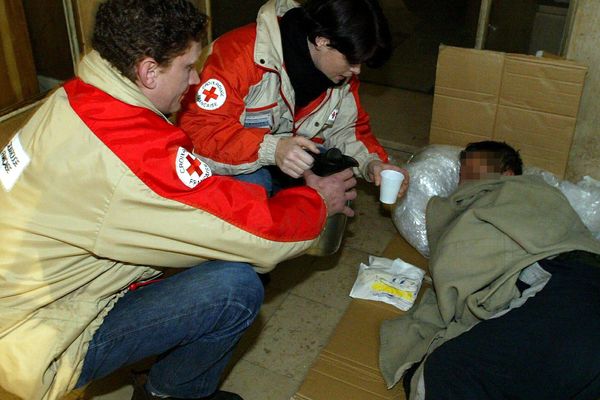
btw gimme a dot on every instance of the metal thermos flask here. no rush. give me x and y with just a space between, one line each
326 163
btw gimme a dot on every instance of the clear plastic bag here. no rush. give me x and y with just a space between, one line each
433 171
585 199
584 196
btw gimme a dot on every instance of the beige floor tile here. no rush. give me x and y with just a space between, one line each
273 300
332 278
371 228
254 382
367 201
368 235
293 337
289 274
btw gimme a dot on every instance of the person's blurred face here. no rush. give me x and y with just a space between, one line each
478 165
174 80
331 62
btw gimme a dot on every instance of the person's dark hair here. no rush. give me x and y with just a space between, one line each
356 28
126 31
506 157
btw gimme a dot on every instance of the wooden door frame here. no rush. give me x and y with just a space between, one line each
484 23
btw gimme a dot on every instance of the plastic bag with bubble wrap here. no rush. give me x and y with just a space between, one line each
584 197
433 171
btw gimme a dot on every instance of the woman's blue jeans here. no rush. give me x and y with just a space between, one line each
260 177
191 320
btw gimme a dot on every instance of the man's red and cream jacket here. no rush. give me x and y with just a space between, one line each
97 191
244 104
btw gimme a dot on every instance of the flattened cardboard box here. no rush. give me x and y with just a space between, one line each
348 366
529 102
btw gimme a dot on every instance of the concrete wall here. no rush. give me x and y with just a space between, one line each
583 45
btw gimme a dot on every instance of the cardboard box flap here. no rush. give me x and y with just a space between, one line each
348 367
550 66
542 85
455 114
331 380
355 341
469 75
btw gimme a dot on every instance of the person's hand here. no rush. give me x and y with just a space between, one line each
374 170
291 156
336 190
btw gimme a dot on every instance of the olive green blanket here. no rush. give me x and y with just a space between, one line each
480 239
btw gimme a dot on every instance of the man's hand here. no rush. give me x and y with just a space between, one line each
291 156
336 190
374 170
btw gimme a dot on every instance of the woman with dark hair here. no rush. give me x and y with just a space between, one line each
275 91
356 29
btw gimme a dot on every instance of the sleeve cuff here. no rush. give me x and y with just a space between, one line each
363 165
266 152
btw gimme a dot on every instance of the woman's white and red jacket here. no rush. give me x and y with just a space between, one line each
244 104
98 190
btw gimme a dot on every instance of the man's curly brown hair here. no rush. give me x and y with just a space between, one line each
126 31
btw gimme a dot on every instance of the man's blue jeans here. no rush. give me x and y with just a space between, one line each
191 321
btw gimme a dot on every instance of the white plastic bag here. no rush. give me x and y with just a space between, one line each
584 196
585 200
391 281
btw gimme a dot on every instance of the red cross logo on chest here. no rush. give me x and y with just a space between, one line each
210 94
194 166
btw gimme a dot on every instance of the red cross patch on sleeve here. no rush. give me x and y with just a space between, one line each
190 169
211 95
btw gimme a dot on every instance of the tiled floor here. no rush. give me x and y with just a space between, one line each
307 296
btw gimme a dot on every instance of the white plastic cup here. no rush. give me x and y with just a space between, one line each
390 186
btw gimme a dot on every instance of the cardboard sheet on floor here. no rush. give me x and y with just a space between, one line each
529 102
348 368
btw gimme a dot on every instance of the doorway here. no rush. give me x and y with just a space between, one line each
418 28
526 26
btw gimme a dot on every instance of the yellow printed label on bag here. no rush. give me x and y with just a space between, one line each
383 287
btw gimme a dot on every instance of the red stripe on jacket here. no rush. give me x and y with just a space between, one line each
148 146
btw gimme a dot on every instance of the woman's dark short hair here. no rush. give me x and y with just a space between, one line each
506 157
356 28
126 31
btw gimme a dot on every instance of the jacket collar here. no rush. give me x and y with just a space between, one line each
98 72
268 51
